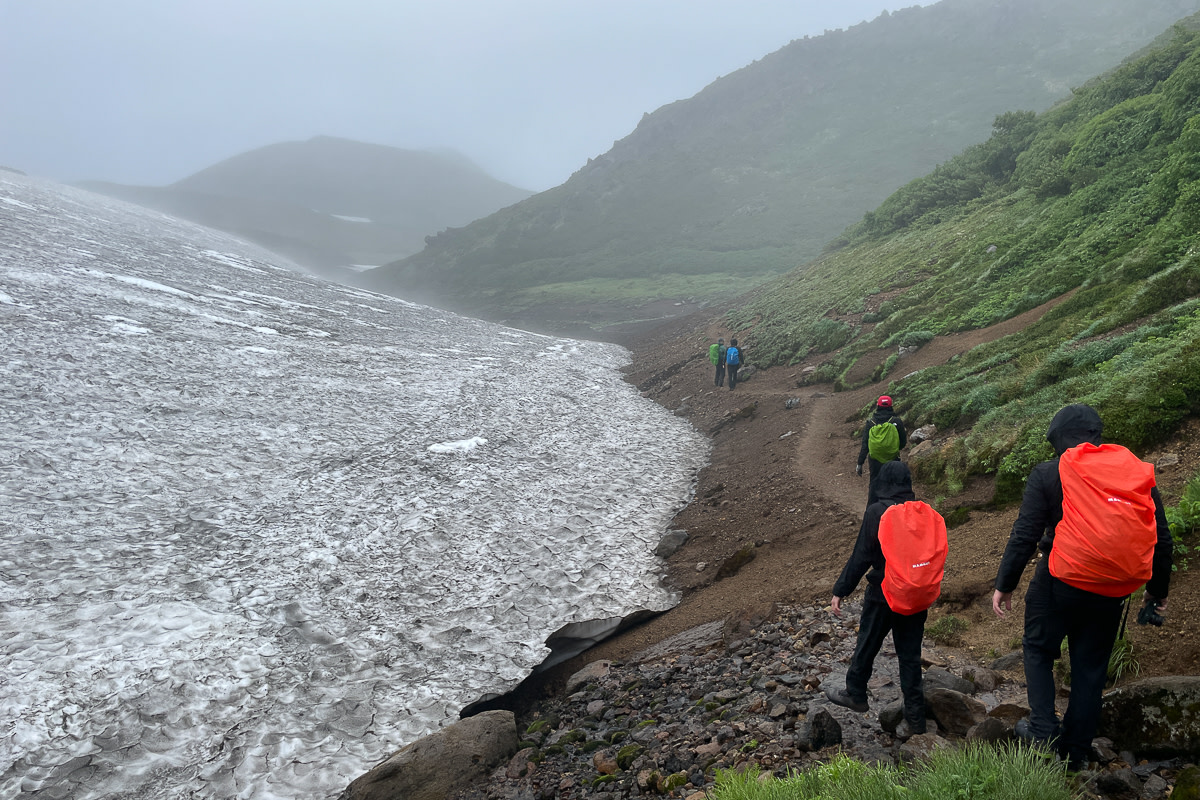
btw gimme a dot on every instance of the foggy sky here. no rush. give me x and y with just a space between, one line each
150 91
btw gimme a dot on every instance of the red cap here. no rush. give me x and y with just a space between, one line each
885 402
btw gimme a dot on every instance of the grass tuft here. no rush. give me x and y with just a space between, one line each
977 771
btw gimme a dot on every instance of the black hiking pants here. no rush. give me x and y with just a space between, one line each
732 370
1089 622
719 380
907 631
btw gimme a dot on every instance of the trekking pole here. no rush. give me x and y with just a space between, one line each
1125 619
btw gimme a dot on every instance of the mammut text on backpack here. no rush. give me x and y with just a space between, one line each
913 539
1105 542
883 441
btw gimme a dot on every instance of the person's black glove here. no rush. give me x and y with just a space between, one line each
1149 615
858 470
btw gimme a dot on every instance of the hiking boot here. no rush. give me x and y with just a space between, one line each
905 731
841 698
1024 732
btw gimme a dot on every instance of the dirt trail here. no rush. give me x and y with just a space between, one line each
824 457
781 489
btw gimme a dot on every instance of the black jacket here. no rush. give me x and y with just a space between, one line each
880 415
893 486
1041 506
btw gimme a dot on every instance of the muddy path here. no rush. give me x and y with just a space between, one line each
781 495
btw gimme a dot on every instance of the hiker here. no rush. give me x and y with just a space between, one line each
886 607
734 358
883 446
716 354
1097 499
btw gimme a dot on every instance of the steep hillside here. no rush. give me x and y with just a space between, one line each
757 172
1091 210
331 202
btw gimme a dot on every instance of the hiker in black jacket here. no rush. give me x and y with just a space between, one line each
894 486
1055 610
883 413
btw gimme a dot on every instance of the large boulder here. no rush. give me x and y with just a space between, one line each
1154 717
955 712
441 763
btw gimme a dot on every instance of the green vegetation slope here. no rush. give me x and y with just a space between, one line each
1094 204
757 172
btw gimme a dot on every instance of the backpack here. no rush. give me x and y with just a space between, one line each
732 357
883 441
913 539
714 350
1105 542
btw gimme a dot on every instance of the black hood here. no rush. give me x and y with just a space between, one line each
882 414
1074 425
894 483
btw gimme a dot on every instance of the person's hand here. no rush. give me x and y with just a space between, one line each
836 602
1001 603
858 470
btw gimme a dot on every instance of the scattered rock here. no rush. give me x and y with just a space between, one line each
923 433
1154 716
739 624
920 747
818 731
938 678
1155 788
891 715
1120 784
1011 662
1010 713
1102 750
1167 460
955 712
444 761
605 762
670 543
735 562
921 449
990 730
984 680
592 673
792 402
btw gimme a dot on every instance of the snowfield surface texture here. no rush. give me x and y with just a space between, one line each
257 531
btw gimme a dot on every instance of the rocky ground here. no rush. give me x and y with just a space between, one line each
749 693
773 521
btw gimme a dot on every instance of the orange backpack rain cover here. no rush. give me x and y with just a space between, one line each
1105 542
913 539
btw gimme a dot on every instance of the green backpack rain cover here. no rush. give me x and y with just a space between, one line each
883 441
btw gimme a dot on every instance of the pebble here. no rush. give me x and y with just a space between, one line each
664 722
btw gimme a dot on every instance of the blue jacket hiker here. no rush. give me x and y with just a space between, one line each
734 358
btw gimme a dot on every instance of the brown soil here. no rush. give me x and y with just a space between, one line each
782 484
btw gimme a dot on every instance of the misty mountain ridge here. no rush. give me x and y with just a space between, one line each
330 203
762 168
